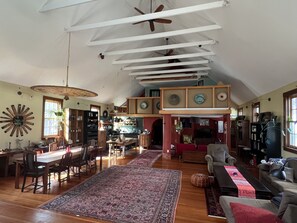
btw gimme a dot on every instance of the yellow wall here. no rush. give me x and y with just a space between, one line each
275 106
33 100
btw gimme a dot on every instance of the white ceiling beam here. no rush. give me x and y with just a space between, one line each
163 47
164 76
169 71
168 80
150 59
150 16
152 66
51 5
155 35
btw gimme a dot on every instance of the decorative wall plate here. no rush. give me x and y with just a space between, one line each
199 98
174 99
222 96
17 120
143 105
105 113
158 105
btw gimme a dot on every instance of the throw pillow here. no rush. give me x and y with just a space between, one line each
289 197
289 174
219 155
245 214
187 139
275 166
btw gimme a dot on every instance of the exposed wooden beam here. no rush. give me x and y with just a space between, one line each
169 71
152 66
155 35
163 47
51 5
162 14
150 59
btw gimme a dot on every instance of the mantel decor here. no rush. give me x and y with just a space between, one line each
65 91
17 120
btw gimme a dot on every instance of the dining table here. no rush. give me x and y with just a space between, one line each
47 160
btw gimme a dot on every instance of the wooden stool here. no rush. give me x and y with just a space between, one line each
200 180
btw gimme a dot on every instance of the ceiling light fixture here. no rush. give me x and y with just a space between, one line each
65 91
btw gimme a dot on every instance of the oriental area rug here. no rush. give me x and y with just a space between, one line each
123 194
212 196
148 158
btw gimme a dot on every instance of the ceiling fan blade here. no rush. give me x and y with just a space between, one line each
138 10
139 22
167 21
160 8
152 26
169 52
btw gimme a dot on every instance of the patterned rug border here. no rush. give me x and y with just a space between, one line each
156 220
215 202
145 153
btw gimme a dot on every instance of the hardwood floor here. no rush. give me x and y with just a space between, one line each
16 206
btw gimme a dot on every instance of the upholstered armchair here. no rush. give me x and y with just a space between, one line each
218 154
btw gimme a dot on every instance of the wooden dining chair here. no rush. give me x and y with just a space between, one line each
80 161
92 162
63 166
32 169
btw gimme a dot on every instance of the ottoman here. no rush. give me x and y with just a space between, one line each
200 180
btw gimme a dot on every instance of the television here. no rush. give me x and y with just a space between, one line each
203 133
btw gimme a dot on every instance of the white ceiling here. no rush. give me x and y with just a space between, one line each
256 50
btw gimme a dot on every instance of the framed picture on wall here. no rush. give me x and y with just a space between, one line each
204 122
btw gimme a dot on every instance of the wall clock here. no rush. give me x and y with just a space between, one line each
17 120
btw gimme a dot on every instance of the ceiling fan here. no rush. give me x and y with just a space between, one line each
151 21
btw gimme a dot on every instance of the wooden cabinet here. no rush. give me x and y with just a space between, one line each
102 138
145 140
242 133
74 127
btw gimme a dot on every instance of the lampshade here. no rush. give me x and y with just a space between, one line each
65 91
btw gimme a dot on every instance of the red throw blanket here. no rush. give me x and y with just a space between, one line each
245 189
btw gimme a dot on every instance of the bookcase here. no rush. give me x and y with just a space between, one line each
266 140
74 127
90 126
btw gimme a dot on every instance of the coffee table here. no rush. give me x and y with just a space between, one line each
228 187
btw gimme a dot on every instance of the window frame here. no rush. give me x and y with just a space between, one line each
43 110
254 116
287 97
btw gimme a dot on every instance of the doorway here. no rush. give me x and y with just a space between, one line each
157 133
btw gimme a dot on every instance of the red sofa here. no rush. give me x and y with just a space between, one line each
180 147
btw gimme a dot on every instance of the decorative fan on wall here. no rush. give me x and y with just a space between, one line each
17 120
151 21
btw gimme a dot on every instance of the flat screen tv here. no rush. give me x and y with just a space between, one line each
203 133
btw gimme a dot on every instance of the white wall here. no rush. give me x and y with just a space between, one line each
33 100
275 105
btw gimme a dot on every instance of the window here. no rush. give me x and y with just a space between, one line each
290 120
255 112
51 122
240 112
96 108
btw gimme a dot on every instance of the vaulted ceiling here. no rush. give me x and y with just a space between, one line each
248 44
